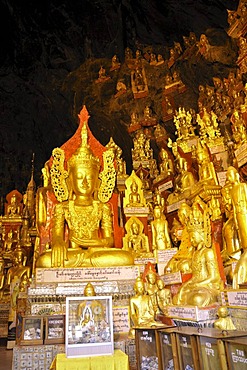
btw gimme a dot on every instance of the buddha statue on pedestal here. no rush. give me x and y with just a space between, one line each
14 207
134 196
82 228
184 183
135 240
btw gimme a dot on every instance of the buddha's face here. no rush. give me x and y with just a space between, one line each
134 187
222 312
135 228
139 287
195 237
231 175
151 278
84 180
160 284
157 212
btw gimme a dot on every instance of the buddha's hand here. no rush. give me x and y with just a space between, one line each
107 242
58 255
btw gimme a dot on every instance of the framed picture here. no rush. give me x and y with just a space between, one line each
32 330
54 329
89 326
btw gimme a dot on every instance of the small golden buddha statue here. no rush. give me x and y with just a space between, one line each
24 283
163 296
9 242
231 250
89 290
207 173
184 183
224 321
166 166
13 209
205 284
134 195
135 240
102 75
151 287
87 219
160 232
115 64
141 309
2 276
181 261
19 268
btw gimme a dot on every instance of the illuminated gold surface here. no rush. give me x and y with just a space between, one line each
89 220
204 286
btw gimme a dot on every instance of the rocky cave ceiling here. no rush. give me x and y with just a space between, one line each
51 53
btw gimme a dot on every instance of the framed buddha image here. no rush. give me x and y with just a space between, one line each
32 330
89 326
54 329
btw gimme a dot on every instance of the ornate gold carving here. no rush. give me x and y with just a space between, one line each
59 175
107 176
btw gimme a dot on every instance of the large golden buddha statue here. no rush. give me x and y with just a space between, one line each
82 227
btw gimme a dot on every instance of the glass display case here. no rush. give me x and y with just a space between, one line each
187 348
89 326
211 347
147 349
167 349
236 352
32 330
54 329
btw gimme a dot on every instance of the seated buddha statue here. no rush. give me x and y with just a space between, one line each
166 166
135 240
14 207
142 312
181 261
184 183
82 228
134 196
19 268
203 288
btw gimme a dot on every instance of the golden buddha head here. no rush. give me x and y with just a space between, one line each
151 277
18 256
202 152
160 284
83 167
184 213
89 290
232 175
158 211
135 228
222 312
139 286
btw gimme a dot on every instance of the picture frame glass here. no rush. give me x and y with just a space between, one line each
89 326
